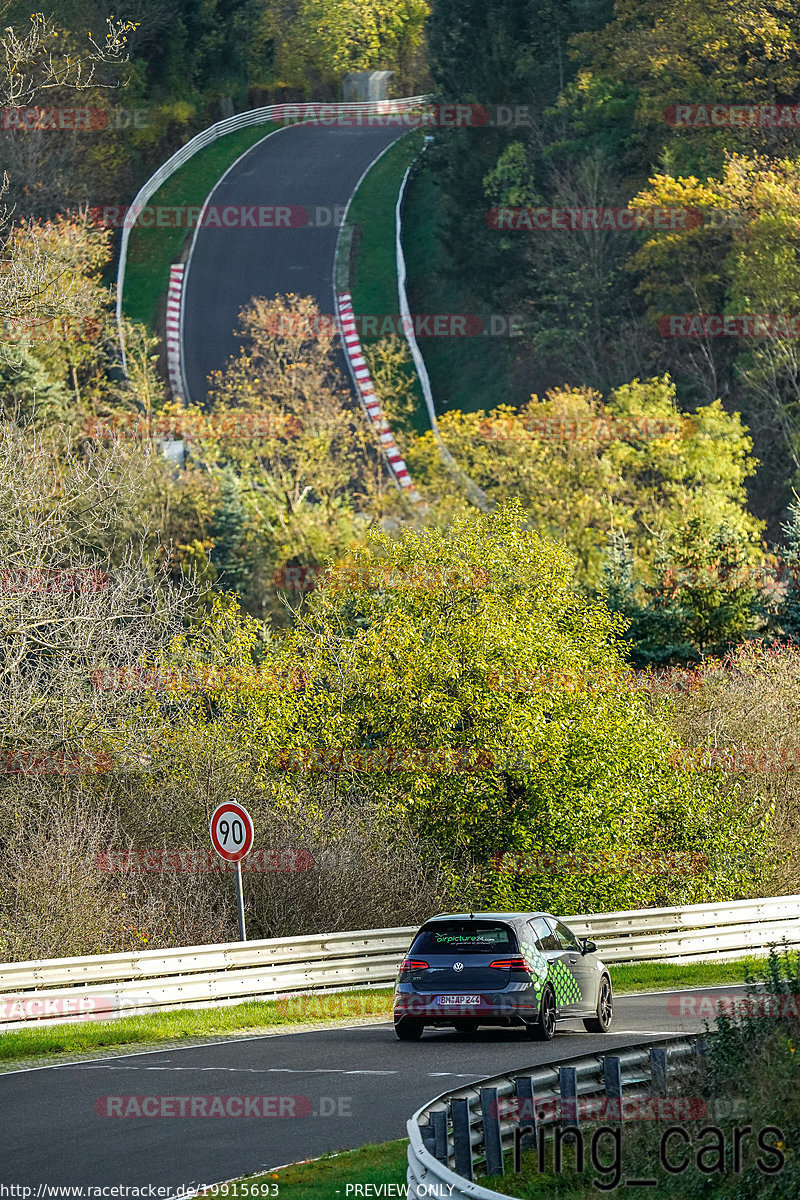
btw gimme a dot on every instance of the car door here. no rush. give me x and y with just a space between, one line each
579 982
558 971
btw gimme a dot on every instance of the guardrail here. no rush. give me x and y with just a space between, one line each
205 976
450 1135
255 116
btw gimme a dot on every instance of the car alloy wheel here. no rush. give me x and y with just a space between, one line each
544 1029
601 1023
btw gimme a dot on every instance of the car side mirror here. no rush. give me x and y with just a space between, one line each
588 946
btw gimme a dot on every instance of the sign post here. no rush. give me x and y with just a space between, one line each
231 828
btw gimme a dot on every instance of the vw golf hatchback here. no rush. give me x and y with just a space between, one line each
524 969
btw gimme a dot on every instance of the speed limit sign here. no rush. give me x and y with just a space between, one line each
232 837
231 831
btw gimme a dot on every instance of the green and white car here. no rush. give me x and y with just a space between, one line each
464 970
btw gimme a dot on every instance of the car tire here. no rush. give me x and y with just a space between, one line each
408 1030
601 1023
544 1027
466 1025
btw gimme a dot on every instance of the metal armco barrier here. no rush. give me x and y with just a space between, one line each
204 976
471 1126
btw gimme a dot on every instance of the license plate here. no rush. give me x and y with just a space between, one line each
460 1001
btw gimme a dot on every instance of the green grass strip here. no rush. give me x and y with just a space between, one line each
374 289
263 1016
372 219
151 251
327 1178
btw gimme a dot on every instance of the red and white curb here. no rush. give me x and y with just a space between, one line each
174 329
366 389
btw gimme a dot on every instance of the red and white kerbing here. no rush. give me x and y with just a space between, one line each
174 329
366 390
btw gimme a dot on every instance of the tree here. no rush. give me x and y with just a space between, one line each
453 643
228 533
741 260
80 593
325 41
500 52
699 597
309 474
584 469
787 616
33 63
677 51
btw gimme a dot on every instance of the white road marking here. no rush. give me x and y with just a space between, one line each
240 1070
451 1074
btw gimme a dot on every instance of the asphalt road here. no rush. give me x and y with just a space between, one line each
349 1086
314 168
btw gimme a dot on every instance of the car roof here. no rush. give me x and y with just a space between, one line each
486 916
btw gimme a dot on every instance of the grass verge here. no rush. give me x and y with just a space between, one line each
373 278
263 1016
327 1178
466 373
151 251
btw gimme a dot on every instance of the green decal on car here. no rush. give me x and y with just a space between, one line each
535 962
564 984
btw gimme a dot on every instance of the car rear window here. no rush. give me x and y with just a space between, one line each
466 937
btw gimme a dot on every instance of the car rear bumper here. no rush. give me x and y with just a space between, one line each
513 1008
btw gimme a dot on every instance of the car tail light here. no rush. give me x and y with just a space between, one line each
517 963
413 964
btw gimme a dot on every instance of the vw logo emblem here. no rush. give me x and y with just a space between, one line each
459 966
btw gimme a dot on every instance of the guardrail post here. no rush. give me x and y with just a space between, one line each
612 1079
439 1125
526 1110
658 1071
701 1047
462 1142
492 1142
568 1086
525 1131
428 1138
